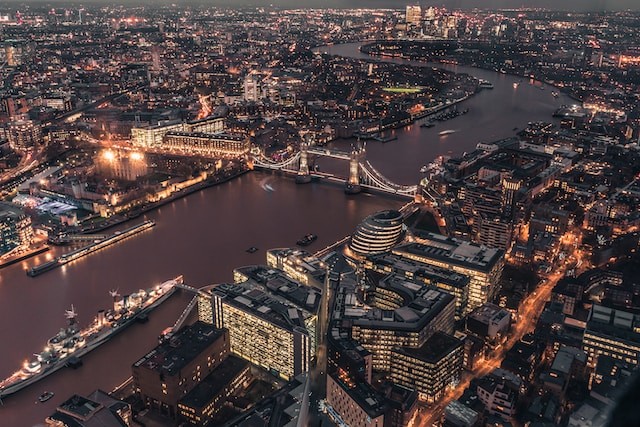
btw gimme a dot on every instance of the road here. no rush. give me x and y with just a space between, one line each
530 309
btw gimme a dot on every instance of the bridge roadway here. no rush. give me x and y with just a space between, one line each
368 177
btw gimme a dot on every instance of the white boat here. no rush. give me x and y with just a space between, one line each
447 132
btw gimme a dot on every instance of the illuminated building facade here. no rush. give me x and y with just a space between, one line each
119 164
413 15
357 404
175 367
408 315
272 319
24 135
613 333
414 271
205 144
429 369
378 233
152 137
483 265
16 230
298 265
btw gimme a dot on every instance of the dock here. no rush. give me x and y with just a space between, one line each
79 253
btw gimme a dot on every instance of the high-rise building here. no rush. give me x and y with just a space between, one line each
271 319
404 315
175 367
413 15
430 369
417 272
483 265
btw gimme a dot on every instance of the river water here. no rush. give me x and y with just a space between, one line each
205 235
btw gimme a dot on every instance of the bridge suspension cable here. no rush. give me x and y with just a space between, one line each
373 178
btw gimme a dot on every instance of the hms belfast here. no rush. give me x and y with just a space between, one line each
70 343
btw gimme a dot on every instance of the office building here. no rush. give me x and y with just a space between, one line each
152 136
430 369
414 271
378 233
613 333
205 144
413 15
271 319
298 265
403 315
175 367
358 405
483 265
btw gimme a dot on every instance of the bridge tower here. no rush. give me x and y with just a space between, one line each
353 183
303 176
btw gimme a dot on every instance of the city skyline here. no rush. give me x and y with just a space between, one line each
571 5
252 216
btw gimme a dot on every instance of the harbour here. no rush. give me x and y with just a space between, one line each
89 249
72 342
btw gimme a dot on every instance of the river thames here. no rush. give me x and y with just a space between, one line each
205 235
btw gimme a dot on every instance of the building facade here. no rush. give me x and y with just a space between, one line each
430 369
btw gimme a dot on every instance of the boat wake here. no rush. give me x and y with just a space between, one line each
264 184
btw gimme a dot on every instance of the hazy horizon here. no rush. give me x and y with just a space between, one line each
568 5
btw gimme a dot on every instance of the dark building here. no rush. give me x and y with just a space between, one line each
175 367
206 399
97 410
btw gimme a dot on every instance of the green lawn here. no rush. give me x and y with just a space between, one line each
403 89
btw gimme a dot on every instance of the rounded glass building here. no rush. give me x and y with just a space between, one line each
378 233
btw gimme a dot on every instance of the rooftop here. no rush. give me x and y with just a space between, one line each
176 353
215 382
434 349
453 251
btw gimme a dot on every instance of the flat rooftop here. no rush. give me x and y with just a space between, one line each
488 313
453 251
434 349
176 353
215 382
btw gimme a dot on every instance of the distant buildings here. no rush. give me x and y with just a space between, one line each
413 15
203 137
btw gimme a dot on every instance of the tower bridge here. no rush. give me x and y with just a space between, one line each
362 174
